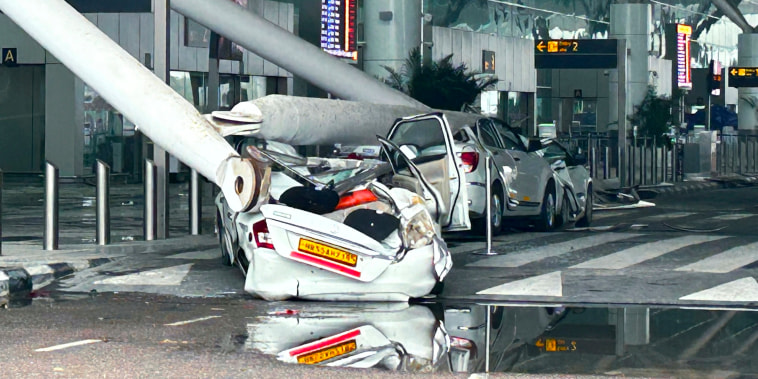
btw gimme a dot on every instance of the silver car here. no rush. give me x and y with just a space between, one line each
525 187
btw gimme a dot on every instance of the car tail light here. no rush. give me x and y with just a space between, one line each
261 235
469 159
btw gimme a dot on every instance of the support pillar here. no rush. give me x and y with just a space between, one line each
392 28
161 62
747 56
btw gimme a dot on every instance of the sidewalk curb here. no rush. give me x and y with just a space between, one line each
684 188
20 281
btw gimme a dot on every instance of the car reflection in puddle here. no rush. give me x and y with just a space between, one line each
548 339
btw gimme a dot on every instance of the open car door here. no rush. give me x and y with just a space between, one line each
424 143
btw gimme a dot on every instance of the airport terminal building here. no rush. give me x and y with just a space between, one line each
47 113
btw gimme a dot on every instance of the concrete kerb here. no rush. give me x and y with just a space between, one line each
28 267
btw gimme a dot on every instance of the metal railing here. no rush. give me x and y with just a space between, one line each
737 154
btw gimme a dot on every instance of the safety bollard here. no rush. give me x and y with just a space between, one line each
488 206
150 214
195 208
103 203
487 336
50 240
605 162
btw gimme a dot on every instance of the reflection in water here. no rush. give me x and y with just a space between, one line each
394 336
515 339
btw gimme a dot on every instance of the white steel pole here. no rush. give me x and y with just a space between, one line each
294 54
159 112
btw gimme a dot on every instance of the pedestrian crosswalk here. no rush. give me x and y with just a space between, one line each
625 264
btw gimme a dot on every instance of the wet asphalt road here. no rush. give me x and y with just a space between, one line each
134 340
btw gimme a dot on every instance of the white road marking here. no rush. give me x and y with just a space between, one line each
727 261
646 251
203 254
740 290
67 345
169 276
179 323
666 216
527 256
732 217
543 285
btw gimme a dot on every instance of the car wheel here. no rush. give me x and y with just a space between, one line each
586 220
546 221
496 213
225 242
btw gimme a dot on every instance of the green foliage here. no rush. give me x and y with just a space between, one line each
653 115
439 85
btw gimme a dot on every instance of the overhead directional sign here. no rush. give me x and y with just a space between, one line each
743 76
575 53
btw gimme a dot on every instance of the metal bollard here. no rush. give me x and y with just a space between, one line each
150 214
593 162
487 337
643 162
488 206
50 241
103 203
195 206
605 162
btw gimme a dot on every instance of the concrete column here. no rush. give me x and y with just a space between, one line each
161 61
747 56
64 119
391 28
631 22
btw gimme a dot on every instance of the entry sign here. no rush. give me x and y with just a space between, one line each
488 62
743 76
9 57
575 53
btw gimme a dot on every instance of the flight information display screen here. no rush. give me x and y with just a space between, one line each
338 28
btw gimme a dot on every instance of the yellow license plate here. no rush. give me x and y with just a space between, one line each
327 252
327 353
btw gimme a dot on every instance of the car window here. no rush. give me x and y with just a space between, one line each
511 139
487 136
423 137
553 153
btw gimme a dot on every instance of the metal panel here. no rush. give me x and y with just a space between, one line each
506 68
174 41
108 23
187 55
476 51
146 28
445 43
202 59
129 33
224 66
457 51
528 56
473 61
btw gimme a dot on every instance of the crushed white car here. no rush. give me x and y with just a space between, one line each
339 231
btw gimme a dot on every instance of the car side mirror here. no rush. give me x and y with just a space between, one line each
580 159
534 145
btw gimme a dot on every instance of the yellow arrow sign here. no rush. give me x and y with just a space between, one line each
541 46
539 343
734 71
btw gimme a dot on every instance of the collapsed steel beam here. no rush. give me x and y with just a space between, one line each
160 113
277 45
733 14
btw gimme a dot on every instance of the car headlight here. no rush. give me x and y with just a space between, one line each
417 226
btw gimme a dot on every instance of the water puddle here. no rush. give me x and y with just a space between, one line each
469 338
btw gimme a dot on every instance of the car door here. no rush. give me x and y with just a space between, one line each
426 140
574 177
527 176
488 137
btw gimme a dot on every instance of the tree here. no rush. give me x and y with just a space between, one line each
440 84
653 116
